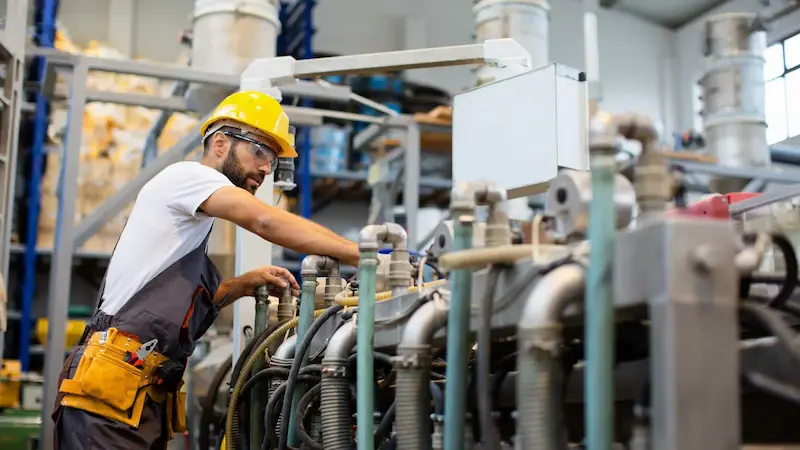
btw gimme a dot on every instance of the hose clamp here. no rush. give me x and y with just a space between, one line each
334 372
413 361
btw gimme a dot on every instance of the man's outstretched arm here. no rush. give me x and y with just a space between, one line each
278 226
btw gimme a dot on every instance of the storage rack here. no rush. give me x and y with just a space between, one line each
12 58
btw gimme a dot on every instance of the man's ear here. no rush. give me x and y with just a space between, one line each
219 144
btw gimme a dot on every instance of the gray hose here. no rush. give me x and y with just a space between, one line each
337 422
412 394
540 374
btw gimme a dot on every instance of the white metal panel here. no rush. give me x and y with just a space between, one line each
516 132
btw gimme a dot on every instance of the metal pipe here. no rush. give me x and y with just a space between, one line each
458 330
412 395
599 331
257 397
539 392
337 433
370 239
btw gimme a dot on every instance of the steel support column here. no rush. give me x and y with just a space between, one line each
61 268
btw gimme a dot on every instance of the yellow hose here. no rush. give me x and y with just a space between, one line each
343 299
247 367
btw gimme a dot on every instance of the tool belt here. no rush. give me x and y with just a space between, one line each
104 383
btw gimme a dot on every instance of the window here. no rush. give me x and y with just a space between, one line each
782 95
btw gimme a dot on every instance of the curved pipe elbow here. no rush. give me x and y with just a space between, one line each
423 324
287 349
551 295
340 344
396 235
313 265
372 237
490 194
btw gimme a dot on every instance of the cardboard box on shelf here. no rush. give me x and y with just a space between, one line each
113 140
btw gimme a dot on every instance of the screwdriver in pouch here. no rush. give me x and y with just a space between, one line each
137 359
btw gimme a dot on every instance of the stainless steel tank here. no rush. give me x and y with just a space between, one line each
733 85
227 36
526 21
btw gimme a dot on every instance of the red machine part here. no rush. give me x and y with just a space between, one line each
716 206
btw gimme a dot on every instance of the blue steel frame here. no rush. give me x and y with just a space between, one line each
45 32
297 39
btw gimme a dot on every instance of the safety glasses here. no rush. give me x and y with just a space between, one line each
261 152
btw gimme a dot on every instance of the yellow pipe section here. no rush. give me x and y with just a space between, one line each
478 258
348 300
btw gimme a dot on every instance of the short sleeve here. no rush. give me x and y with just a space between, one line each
191 185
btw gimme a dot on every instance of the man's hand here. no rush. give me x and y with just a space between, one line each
275 278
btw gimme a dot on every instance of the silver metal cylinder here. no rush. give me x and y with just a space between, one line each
526 21
733 85
228 36
568 200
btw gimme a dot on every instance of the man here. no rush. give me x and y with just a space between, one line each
160 285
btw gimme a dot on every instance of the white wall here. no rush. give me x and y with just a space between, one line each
690 58
636 56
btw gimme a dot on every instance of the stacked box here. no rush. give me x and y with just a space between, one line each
114 137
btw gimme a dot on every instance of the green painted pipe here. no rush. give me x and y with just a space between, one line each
306 318
258 394
599 330
458 344
367 280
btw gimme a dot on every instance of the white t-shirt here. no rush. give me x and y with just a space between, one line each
163 227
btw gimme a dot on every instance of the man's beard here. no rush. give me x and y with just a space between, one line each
232 169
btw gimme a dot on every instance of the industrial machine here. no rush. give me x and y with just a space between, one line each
611 319
616 320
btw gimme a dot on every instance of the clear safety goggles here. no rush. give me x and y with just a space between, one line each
262 153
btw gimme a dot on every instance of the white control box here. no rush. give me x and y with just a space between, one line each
519 131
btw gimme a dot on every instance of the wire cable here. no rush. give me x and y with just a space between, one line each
311 396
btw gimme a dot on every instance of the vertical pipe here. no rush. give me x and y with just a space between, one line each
46 33
599 334
367 278
309 291
257 395
458 340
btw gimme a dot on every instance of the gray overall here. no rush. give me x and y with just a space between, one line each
176 308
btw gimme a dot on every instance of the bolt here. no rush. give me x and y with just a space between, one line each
704 259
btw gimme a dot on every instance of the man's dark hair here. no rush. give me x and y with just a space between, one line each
207 140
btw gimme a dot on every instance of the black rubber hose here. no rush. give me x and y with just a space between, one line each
438 398
261 376
243 413
385 427
300 352
248 349
773 322
391 444
489 434
271 413
300 416
790 259
207 414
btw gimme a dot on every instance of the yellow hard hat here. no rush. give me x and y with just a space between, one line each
260 111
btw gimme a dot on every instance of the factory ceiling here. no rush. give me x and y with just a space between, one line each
668 13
